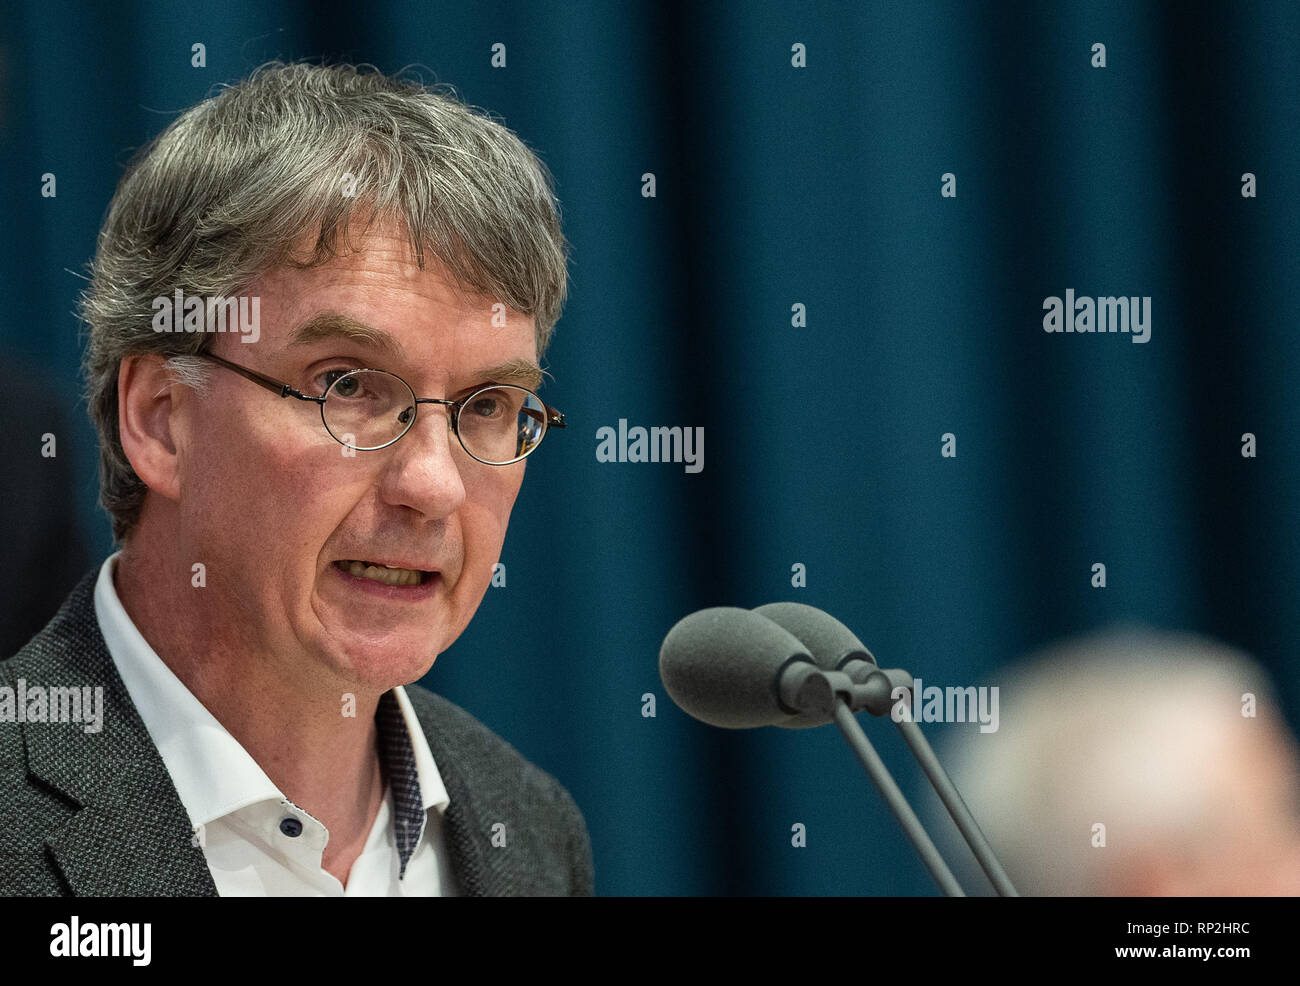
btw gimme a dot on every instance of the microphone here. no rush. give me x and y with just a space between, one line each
737 669
834 647
724 666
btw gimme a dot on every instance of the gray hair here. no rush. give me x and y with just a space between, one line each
222 194
1117 727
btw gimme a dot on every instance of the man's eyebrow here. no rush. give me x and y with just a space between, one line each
328 325
335 325
522 372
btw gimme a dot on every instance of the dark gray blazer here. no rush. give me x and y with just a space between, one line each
97 814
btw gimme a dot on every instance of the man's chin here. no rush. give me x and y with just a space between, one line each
376 644
376 665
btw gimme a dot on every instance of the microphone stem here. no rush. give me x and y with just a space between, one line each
889 790
952 800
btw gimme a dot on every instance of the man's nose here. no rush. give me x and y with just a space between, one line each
424 470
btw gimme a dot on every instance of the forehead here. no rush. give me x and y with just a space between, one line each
326 330
378 301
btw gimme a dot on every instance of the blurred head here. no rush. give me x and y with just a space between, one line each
1144 734
378 224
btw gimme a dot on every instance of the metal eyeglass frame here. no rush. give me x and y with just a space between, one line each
553 419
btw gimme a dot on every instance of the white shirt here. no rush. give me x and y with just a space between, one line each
256 841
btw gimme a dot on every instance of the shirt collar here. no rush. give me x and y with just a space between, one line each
213 774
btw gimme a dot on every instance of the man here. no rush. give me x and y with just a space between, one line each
1135 763
310 500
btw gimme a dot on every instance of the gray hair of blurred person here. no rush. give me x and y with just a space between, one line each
222 195
1135 730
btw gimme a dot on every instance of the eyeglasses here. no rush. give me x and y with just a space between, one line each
371 409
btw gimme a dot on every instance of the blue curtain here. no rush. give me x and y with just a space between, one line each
780 186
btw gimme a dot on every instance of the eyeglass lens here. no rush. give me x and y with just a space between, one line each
369 409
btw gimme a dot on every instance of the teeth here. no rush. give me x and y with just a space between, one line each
381 573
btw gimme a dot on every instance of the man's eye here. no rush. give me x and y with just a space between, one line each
348 388
488 406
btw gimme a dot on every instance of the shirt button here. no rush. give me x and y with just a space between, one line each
291 827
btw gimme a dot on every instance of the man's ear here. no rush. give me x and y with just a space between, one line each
145 422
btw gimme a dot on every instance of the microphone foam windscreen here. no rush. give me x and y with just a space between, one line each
828 640
721 665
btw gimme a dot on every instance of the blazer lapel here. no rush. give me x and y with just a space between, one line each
480 871
133 842
462 828
130 834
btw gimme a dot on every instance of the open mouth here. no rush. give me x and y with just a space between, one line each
385 574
